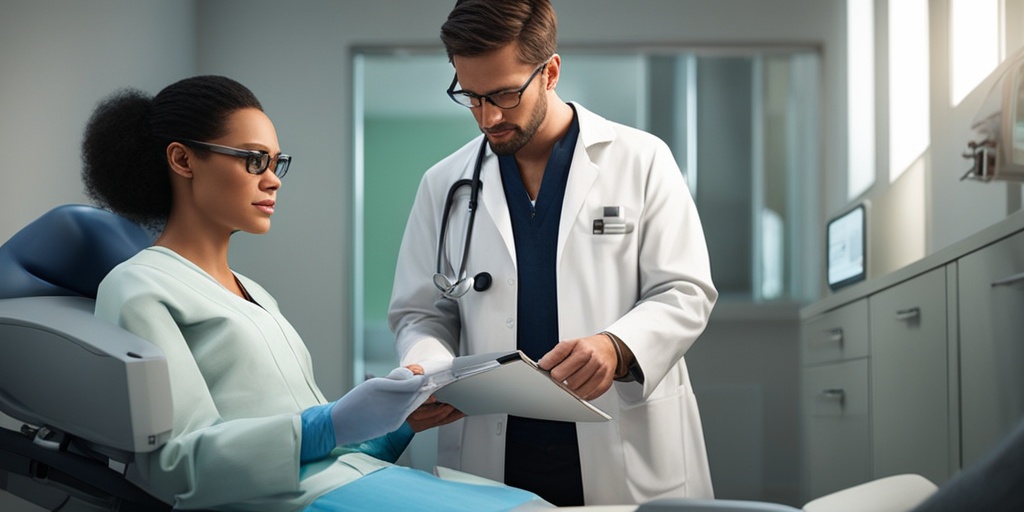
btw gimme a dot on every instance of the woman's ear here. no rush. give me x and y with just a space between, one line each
179 159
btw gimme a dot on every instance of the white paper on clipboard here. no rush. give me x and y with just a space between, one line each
510 383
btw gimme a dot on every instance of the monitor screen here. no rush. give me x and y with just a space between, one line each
846 248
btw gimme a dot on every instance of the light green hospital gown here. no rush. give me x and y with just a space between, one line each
240 377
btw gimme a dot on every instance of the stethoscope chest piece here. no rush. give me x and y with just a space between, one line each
482 281
443 283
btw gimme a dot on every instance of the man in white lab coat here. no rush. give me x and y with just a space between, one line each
586 252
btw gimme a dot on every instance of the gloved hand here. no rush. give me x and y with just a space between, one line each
377 406
373 408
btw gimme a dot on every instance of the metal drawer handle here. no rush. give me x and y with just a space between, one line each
908 314
1007 281
837 394
835 336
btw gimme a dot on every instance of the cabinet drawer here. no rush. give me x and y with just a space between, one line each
991 291
910 400
839 334
837 434
836 390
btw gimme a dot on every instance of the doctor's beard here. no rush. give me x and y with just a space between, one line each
522 136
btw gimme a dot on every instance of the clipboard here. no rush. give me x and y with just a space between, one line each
510 383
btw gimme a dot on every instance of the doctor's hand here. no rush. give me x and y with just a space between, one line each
433 414
586 365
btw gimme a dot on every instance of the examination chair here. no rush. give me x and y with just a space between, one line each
86 394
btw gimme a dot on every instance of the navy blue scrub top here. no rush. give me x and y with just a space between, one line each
535 230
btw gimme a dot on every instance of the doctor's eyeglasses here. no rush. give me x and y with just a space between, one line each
256 162
501 99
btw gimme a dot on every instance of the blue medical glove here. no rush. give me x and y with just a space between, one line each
317 433
372 409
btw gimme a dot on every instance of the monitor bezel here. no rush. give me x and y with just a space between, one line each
862 275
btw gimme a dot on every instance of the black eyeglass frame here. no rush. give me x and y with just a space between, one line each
477 100
256 162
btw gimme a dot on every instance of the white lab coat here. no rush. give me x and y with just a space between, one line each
651 287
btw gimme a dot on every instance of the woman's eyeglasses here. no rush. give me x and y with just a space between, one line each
256 162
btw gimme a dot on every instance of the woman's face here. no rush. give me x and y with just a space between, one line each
225 194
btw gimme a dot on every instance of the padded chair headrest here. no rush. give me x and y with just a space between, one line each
67 251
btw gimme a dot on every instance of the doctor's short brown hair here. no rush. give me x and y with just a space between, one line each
477 27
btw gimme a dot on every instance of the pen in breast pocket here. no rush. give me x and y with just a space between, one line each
612 221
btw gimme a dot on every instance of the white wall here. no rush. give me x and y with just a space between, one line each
929 208
57 59
949 198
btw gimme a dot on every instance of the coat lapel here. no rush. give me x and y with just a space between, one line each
594 131
492 202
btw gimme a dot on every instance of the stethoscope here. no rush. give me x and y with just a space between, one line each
457 286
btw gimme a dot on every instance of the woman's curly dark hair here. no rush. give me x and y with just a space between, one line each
123 149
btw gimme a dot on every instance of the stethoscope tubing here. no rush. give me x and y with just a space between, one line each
444 218
475 185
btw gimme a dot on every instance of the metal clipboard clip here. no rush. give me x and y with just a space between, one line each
612 221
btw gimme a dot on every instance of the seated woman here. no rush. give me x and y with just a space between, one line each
252 431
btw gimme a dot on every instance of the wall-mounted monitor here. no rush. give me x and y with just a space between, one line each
847 247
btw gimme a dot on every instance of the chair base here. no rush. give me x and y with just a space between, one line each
49 477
